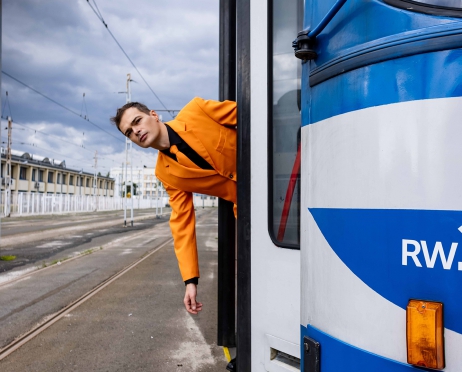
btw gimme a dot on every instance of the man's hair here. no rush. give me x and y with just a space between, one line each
120 112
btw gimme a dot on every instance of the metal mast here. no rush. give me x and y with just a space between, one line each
8 171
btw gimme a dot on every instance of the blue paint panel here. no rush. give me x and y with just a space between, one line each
337 355
422 76
359 22
369 242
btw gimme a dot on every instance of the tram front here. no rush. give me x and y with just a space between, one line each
381 200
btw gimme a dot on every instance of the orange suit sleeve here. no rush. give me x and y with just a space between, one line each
183 226
224 113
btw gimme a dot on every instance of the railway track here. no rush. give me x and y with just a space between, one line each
20 341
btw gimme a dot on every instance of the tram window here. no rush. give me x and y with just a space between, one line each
285 19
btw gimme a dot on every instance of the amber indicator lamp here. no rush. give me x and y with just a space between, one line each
425 334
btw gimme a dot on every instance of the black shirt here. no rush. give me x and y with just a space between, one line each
183 147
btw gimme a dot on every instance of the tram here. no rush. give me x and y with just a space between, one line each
349 188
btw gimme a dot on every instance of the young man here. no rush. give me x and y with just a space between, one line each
197 153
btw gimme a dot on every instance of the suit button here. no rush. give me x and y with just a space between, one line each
230 176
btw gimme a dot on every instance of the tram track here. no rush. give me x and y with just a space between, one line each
50 320
70 259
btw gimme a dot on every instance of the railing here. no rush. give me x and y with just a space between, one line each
23 203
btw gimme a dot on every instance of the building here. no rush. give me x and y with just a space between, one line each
143 177
38 174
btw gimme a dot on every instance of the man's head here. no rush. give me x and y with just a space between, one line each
139 124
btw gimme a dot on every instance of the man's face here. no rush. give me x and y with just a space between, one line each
143 129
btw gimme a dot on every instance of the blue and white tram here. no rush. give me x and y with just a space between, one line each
349 257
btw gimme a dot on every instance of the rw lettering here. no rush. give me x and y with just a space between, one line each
420 253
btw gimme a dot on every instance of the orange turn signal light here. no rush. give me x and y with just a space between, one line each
425 334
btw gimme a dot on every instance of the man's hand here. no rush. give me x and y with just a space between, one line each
192 306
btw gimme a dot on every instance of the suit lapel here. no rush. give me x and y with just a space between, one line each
190 138
176 169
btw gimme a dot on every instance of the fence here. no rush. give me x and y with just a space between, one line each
23 203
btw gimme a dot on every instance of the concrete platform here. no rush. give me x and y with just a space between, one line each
137 323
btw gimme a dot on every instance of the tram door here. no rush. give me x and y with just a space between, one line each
275 159
381 207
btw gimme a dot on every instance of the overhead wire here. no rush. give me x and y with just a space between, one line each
59 104
48 150
7 100
70 143
87 162
84 104
100 17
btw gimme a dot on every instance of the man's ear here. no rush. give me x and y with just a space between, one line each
153 113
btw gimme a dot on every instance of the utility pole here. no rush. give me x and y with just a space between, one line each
8 171
124 189
129 147
95 178
125 169
132 188
157 199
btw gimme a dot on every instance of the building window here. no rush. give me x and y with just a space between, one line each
71 180
88 183
59 178
64 179
40 175
34 171
22 173
50 177
284 124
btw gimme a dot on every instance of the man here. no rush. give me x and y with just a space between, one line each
197 153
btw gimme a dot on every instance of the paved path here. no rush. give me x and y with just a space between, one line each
137 323
19 230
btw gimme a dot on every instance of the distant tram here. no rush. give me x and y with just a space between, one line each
349 183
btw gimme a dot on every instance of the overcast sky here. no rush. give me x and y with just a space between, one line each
62 49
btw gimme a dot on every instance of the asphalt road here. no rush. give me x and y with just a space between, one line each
36 223
137 323
41 240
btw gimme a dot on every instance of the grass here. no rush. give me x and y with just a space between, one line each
54 262
7 258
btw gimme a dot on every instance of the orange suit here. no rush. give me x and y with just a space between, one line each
209 128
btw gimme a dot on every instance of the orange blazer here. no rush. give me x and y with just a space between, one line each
209 127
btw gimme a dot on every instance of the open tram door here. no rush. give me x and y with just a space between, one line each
257 68
381 218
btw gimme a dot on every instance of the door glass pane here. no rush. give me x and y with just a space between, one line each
285 119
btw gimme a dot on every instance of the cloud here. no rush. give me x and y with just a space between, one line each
63 50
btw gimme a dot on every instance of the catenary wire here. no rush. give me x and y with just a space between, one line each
59 104
83 161
100 17
70 143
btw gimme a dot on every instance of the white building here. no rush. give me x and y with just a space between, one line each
143 177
